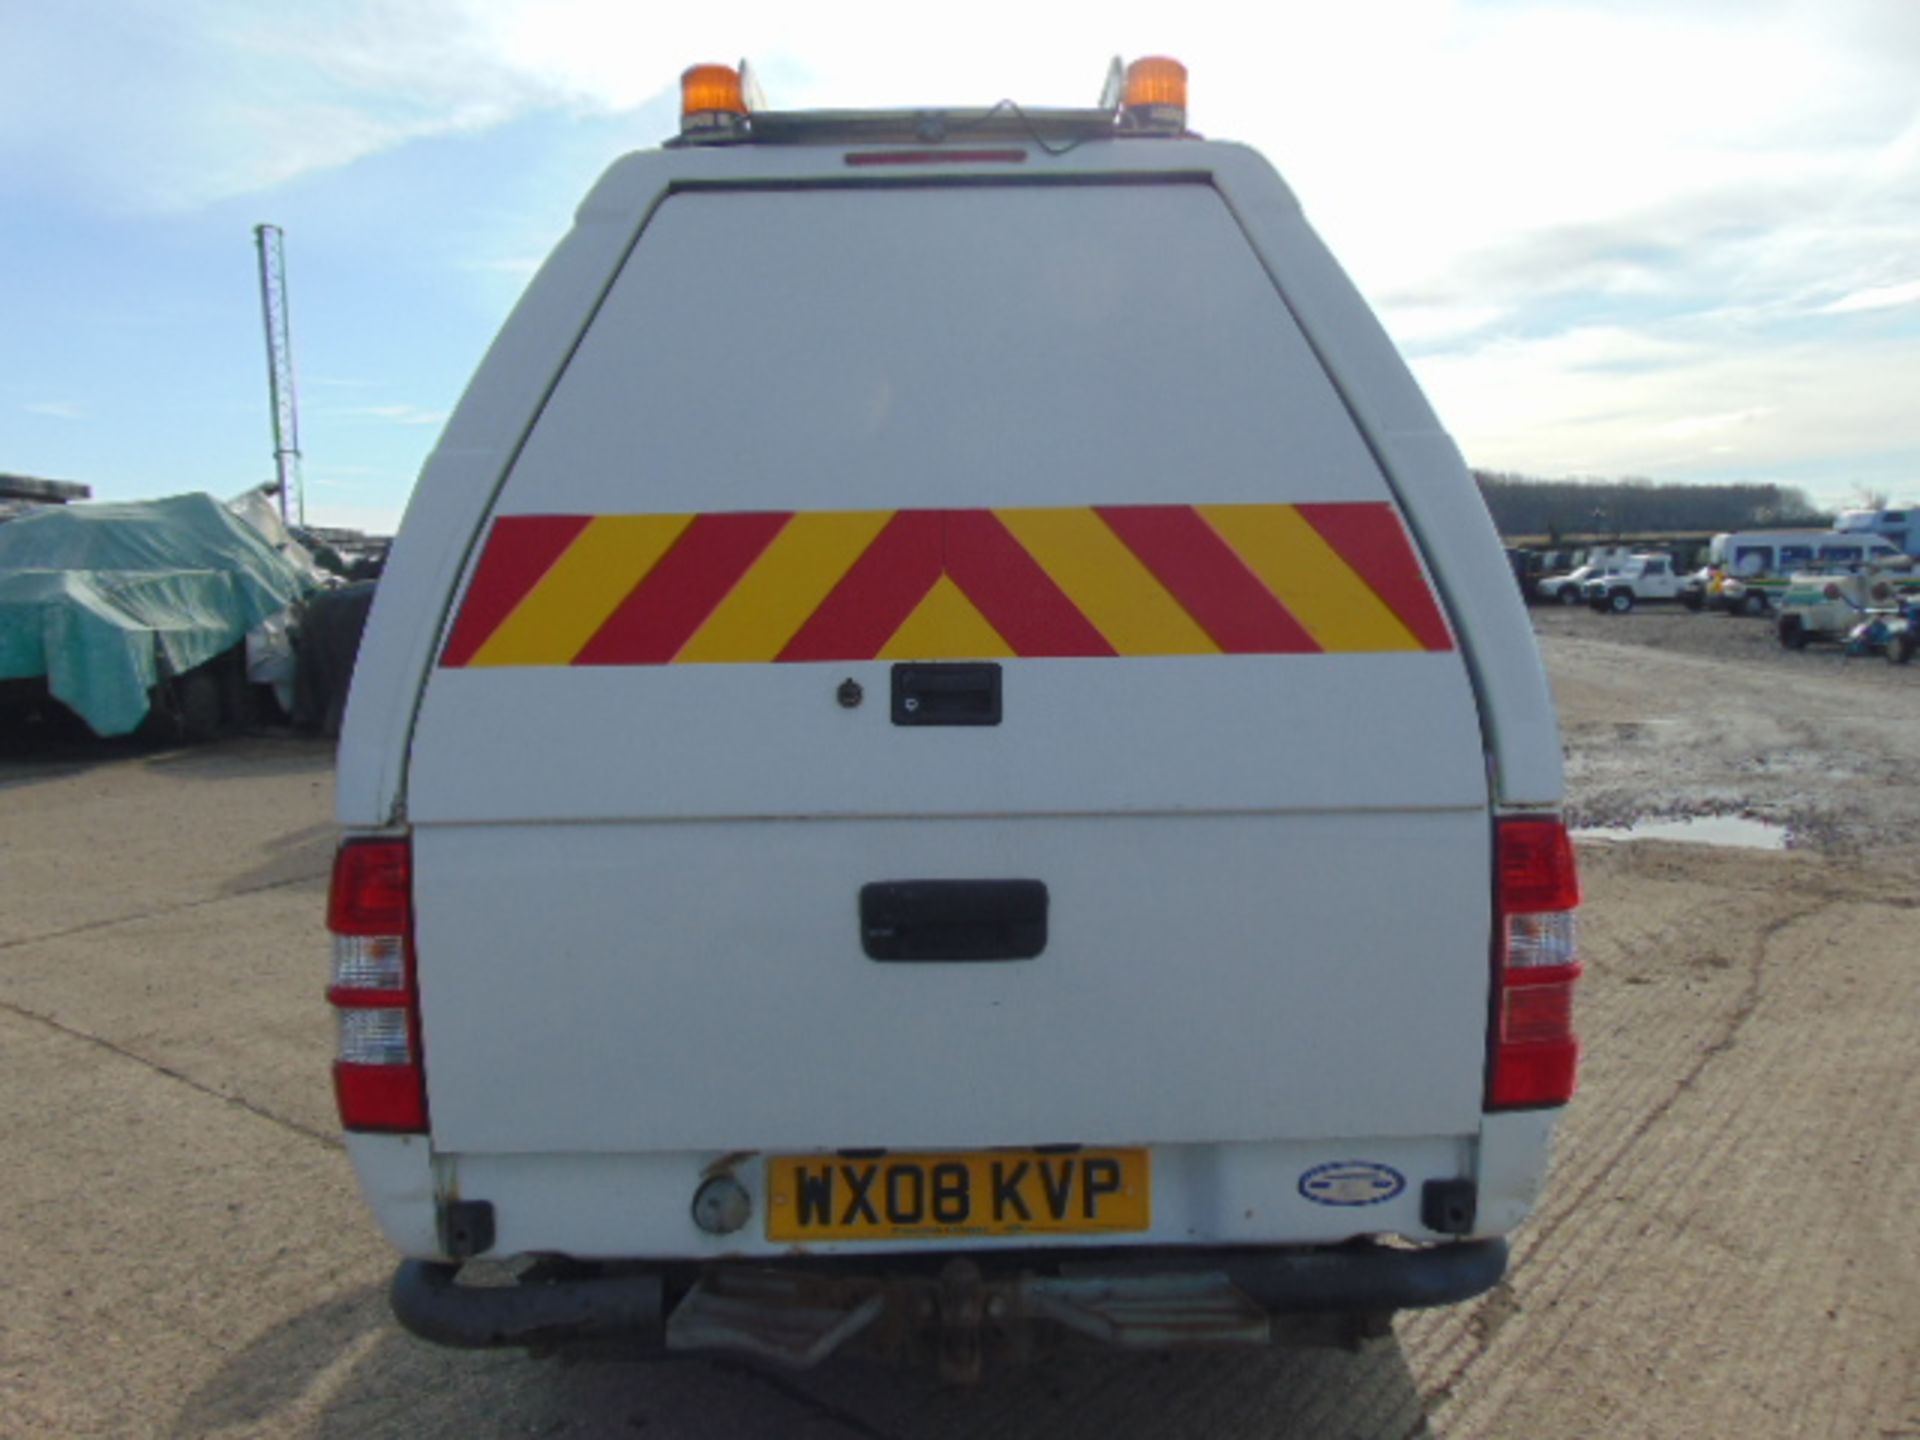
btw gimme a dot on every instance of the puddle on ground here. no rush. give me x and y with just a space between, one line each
1739 831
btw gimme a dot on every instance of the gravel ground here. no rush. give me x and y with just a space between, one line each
1666 712
1725 1248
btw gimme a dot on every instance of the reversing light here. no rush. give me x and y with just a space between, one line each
1155 97
713 102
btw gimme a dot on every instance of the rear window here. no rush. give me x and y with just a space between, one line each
875 348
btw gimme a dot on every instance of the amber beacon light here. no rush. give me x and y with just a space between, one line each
1156 94
712 99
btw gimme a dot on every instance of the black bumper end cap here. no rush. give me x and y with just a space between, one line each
428 1302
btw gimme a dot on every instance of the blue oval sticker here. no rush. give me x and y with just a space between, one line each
1352 1182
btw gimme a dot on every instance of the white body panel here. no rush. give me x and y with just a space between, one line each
745 741
601 1206
958 346
636 885
1204 978
462 476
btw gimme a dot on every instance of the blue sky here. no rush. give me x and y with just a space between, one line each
1675 239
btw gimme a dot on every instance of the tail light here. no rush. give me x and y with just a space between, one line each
1534 1056
378 1078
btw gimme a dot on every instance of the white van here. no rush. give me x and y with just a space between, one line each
944 762
1753 568
1896 526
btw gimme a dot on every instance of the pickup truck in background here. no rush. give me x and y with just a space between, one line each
1640 578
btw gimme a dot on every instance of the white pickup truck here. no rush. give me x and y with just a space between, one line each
1564 589
1639 578
945 763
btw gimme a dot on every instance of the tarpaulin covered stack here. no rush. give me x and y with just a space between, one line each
98 598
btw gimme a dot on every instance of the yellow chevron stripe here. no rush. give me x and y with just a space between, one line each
1107 582
584 587
781 590
946 625
1338 608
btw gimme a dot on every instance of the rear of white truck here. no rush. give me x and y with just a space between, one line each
946 760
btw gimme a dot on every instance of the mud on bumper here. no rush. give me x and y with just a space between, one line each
953 1311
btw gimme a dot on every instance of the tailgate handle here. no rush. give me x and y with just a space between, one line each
946 694
953 919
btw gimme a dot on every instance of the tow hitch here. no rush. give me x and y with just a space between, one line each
956 1318
961 1316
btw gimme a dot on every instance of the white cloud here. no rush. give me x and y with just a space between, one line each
520 267
1558 406
1690 427
1880 297
56 410
1607 217
397 414
1415 324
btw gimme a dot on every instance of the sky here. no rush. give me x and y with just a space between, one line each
1677 239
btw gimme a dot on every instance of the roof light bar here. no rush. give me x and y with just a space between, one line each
722 105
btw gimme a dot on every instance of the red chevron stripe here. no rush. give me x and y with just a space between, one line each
1210 582
877 594
681 591
520 550
1371 539
1008 587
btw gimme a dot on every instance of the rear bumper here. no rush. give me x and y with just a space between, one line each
1002 1304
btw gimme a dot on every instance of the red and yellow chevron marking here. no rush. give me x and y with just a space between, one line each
744 588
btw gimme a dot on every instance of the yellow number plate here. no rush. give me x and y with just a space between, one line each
997 1192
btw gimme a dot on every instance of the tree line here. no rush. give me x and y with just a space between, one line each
1555 509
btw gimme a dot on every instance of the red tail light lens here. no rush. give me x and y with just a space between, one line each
372 888
1534 1055
378 1078
1536 867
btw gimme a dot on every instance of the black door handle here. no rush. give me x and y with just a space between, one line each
953 919
946 694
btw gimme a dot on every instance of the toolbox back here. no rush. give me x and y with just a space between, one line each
911 662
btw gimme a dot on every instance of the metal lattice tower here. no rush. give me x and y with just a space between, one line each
286 415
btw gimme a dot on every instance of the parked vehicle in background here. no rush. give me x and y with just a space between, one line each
1827 605
1644 577
1898 526
1564 589
139 616
1891 632
1752 567
1526 567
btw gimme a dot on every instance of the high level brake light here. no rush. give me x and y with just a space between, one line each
378 1078
1534 1056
